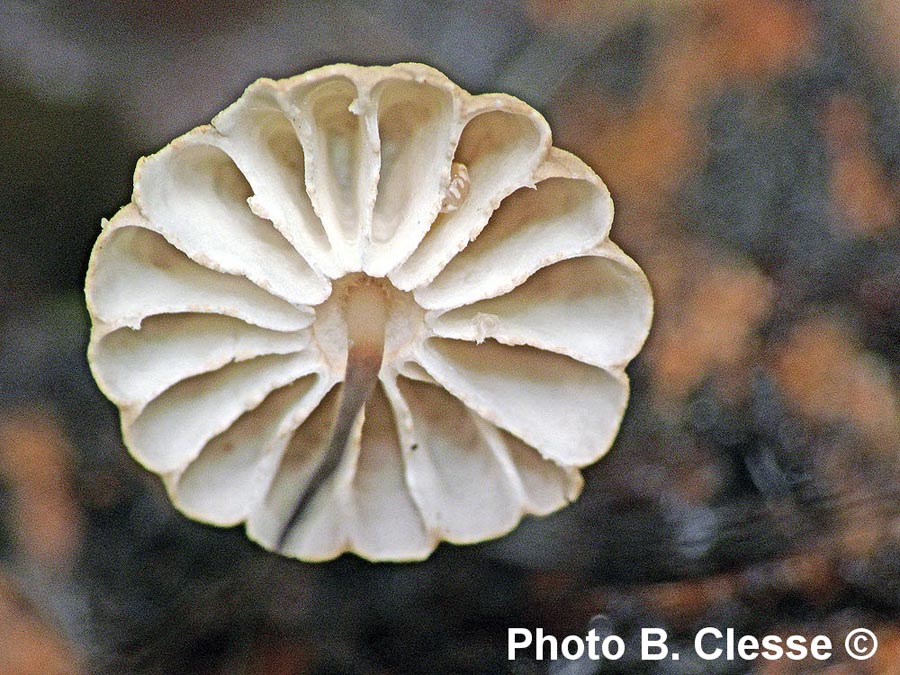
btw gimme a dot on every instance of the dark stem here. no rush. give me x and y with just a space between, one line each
365 314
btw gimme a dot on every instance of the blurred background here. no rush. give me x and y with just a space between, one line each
753 151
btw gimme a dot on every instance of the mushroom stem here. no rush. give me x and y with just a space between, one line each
365 312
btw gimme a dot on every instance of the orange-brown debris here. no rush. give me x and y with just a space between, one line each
829 377
29 645
712 328
864 201
35 461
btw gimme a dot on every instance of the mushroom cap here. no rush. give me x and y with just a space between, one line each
218 301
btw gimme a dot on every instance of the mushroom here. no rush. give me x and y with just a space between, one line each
364 310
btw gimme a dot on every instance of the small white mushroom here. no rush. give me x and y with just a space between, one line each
366 311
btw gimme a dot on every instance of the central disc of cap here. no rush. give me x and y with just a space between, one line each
370 314
366 306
